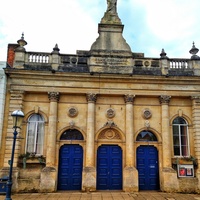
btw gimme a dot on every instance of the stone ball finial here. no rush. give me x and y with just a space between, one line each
56 49
163 55
21 41
194 51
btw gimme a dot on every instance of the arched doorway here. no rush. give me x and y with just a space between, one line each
147 162
109 167
70 162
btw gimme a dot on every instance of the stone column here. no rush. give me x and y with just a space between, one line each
169 180
196 129
48 175
166 137
89 171
130 174
52 128
129 130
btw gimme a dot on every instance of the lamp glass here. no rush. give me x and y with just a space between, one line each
17 116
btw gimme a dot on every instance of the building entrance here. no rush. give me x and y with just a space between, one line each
70 167
109 167
147 165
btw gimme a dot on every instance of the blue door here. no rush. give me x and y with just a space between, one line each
109 167
70 167
147 165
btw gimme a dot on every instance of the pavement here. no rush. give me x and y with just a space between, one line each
105 195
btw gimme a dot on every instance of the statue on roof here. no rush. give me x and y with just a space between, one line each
112 6
111 16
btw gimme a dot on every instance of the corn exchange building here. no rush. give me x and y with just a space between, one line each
103 119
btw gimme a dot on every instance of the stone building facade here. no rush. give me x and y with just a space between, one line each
103 119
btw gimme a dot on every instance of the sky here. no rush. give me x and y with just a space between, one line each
149 25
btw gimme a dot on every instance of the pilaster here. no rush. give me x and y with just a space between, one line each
48 175
89 171
196 127
130 174
167 174
129 130
91 98
16 103
166 137
52 128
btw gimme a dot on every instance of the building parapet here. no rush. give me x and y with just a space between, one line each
104 61
79 63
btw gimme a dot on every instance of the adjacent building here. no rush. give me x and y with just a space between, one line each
2 95
103 119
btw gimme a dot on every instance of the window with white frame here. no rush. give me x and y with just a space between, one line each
180 137
35 134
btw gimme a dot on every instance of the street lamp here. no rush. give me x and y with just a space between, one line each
17 116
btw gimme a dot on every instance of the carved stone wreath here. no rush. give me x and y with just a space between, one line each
110 113
147 114
72 112
109 134
146 63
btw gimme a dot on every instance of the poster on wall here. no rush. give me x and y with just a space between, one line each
185 171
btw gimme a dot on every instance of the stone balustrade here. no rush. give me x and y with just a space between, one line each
177 63
79 63
37 57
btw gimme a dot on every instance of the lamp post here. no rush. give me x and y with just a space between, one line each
17 116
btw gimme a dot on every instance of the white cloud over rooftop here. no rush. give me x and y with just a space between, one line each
150 25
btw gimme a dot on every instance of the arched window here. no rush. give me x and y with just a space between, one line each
146 136
71 134
180 137
35 134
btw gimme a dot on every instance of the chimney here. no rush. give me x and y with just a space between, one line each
11 54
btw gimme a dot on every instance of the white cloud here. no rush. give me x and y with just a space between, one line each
150 25
172 24
46 23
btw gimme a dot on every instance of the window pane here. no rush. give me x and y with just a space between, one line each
35 118
31 137
35 134
175 130
176 141
39 138
146 136
71 135
180 137
179 120
176 151
184 141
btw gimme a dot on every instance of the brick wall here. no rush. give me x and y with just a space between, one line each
11 54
